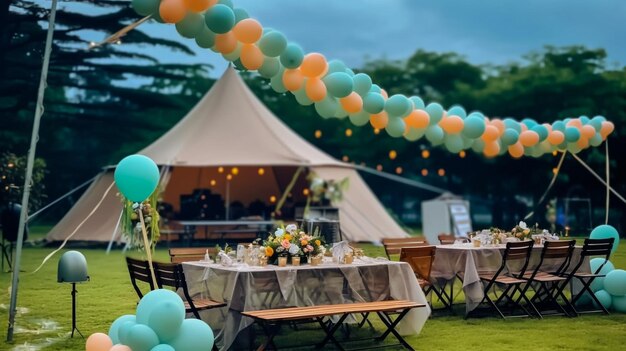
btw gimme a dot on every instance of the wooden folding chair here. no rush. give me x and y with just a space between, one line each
421 261
394 245
139 271
187 254
549 284
172 275
591 247
509 281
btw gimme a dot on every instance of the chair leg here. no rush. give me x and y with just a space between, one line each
391 327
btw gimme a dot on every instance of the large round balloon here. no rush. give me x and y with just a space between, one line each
398 106
163 347
362 83
395 127
194 335
619 303
327 107
292 56
141 338
373 102
219 18
149 7
435 111
137 177
605 298
605 232
615 282
165 319
339 84
248 31
114 329
434 134
474 127
594 265
172 11
98 342
153 300
457 111
273 43
205 38
270 67
359 119
191 26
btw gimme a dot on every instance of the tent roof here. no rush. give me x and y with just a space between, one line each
230 126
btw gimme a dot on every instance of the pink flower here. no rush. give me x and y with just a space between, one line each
286 244
309 248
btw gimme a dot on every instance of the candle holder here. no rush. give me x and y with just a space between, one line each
315 260
476 242
263 261
348 259
282 261
295 260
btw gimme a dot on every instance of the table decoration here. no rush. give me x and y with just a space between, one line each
291 242
521 231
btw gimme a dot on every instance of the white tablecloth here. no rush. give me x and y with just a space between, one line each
468 261
246 288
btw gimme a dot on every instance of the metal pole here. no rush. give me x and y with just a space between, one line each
29 170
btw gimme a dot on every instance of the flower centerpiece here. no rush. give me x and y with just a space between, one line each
498 236
327 191
521 231
131 223
291 241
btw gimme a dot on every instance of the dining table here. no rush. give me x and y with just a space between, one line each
248 288
464 262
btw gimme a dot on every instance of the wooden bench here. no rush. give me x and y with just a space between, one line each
271 318
186 254
393 246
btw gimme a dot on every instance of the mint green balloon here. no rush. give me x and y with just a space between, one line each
302 98
194 335
376 89
233 55
478 146
457 110
473 127
165 320
619 304
615 282
559 125
163 347
359 119
336 66
240 14
136 177
292 56
228 3
418 103
510 123
467 142
338 84
435 111
596 140
395 127
373 103
190 26
220 18
606 231
453 142
327 107
115 327
398 106
273 43
596 122
141 338
146 7
605 299
542 131
341 113
510 137
277 82
435 135
270 67
573 148
124 331
362 83
415 134
205 38
572 134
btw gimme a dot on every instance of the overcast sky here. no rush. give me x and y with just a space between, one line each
484 31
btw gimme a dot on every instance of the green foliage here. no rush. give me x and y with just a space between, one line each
12 172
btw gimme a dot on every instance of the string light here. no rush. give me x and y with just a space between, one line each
348 132
261 171
345 158
462 154
318 134
234 171
393 154
229 177
220 170
10 165
212 182
441 172
398 170
554 153
305 192
555 170
376 131
424 172
272 199
379 168
425 154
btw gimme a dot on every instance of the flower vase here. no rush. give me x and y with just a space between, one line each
282 261
295 260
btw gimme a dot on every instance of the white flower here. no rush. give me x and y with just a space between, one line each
291 228
316 183
523 225
293 249
279 232
280 249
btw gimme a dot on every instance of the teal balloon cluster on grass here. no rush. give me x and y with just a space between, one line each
137 177
160 325
606 231
610 290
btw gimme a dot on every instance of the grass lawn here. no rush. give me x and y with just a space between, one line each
44 317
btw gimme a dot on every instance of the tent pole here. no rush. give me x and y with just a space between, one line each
29 170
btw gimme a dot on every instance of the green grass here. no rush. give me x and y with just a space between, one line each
109 295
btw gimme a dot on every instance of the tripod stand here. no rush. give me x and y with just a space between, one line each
74 312
6 254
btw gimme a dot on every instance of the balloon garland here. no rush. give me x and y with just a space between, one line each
336 91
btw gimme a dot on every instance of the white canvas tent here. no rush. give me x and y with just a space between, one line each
228 128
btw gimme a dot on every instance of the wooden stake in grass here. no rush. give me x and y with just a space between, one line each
147 246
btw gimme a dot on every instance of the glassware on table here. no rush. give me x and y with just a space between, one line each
315 260
476 242
295 260
263 261
348 258
241 253
282 261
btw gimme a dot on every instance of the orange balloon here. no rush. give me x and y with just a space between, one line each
588 131
529 138
379 120
516 150
583 142
575 123
556 137
225 43
491 149
548 126
352 103
251 57
98 342
120 347
491 134
498 124
606 129
172 11
314 65
417 119
293 79
315 89
452 124
248 31
199 5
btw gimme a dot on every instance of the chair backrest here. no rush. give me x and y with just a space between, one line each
516 251
446 239
556 250
169 275
393 246
420 259
139 271
186 254
595 247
